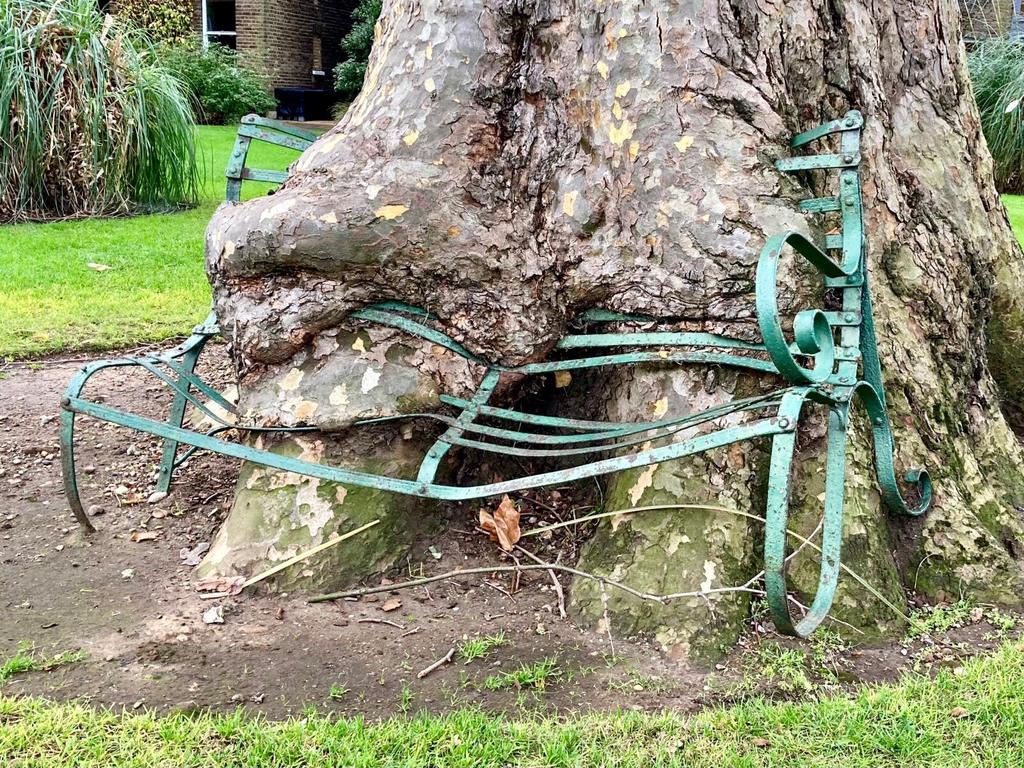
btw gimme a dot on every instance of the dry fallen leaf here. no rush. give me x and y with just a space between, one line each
958 712
144 535
760 741
391 604
230 584
503 524
98 267
562 379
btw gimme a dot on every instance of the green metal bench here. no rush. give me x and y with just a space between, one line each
255 128
832 360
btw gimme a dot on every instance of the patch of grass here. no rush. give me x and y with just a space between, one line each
771 669
27 659
338 691
480 647
1002 623
972 720
536 676
827 649
406 699
784 668
155 288
1014 205
939 619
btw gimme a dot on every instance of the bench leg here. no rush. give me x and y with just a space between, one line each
776 518
176 418
67 461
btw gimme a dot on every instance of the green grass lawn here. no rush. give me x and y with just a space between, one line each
1014 205
155 287
974 718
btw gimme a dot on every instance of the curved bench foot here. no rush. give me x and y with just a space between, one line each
777 517
777 513
67 461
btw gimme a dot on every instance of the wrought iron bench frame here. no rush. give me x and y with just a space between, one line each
833 380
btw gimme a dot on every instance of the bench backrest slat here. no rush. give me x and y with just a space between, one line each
255 128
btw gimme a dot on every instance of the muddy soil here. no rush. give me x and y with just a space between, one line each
124 598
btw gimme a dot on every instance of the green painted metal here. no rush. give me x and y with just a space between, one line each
280 127
700 444
255 128
177 417
831 360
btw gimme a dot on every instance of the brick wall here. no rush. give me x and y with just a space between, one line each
278 37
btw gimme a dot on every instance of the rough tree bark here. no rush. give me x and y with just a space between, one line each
511 163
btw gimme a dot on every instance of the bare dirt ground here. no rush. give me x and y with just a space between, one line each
130 607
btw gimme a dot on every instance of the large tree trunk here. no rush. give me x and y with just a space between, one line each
511 163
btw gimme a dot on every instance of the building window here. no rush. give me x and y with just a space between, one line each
219 22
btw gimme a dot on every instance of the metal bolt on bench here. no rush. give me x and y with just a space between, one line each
840 346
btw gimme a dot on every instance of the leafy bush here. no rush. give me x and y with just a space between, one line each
164 21
997 74
348 76
90 123
223 88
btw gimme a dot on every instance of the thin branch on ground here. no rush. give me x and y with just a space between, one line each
437 664
554 579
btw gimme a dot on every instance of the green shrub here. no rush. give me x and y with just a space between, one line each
348 76
90 122
165 21
222 87
997 74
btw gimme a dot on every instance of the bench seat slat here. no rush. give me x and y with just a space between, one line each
820 205
817 162
258 174
700 444
614 430
655 339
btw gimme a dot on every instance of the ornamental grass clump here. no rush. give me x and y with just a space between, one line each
997 75
90 123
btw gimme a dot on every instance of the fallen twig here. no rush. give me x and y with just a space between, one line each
607 620
498 588
714 508
437 664
520 569
554 579
293 560
662 599
394 624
